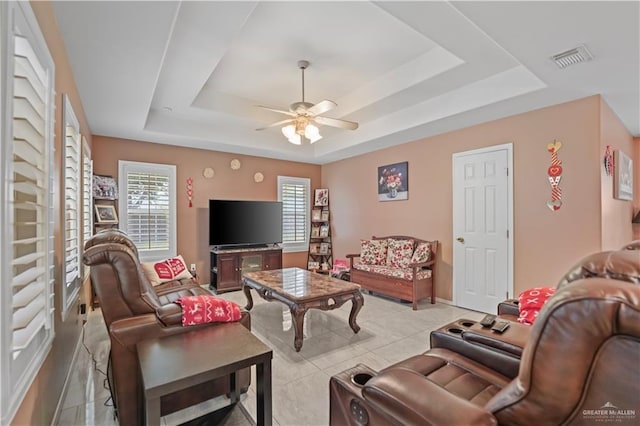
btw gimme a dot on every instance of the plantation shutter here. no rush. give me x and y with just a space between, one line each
148 213
294 195
72 205
29 192
87 213
294 223
26 211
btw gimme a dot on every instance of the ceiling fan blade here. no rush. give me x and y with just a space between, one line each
292 114
322 107
334 122
288 120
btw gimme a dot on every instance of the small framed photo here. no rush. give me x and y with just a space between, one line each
105 187
325 216
321 197
623 176
324 231
106 214
315 231
324 248
313 265
314 248
316 215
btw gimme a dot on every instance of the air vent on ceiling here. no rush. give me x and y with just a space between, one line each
571 57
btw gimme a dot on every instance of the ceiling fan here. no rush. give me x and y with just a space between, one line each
305 116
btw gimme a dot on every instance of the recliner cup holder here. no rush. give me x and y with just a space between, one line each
360 379
455 330
467 323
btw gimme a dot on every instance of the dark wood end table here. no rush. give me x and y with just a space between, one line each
302 290
177 362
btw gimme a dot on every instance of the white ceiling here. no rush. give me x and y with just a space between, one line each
191 73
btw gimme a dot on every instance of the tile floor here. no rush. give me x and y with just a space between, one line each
390 332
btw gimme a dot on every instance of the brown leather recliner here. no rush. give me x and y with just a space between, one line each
581 360
134 310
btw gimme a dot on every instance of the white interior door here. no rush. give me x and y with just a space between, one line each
482 226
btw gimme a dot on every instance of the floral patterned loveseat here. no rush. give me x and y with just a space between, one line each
396 266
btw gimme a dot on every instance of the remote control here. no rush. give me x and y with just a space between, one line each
488 320
500 326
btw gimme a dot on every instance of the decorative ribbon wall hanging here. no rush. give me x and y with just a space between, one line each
190 191
555 175
608 161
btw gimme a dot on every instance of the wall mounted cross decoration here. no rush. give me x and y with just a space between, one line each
555 175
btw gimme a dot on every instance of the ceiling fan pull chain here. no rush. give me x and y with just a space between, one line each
302 84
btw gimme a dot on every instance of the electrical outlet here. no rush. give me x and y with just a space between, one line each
193 267
83 311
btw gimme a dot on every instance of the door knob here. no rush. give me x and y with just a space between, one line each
460 239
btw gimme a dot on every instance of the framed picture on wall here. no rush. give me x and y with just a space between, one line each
321 197
106 213
623 176
393 182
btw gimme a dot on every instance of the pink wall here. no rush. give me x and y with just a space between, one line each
546 243
616 214
230 184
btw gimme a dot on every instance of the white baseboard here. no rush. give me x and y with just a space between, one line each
67 379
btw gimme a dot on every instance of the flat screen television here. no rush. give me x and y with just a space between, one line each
244 223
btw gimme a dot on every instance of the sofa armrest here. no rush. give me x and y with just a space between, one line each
509 308
422 264
408 397
351 257
512 341
170 314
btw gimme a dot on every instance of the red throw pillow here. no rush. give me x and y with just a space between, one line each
174 268
206 308
531 301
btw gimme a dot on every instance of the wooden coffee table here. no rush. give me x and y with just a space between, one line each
302 290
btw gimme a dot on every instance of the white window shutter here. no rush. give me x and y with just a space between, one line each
294 193
27 211
147 208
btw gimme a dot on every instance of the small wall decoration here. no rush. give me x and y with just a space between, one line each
393 182
235 164
208 172
623 179
190 191
106 213
608 161
104 187
321 197
258 177
555 174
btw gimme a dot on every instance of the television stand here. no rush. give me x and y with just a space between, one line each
228 265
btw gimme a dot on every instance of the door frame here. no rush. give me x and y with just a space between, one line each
510 272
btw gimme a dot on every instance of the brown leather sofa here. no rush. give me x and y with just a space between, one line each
134 310
580 359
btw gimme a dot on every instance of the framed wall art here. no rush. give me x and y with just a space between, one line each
623 176
321 197
393 182
106 213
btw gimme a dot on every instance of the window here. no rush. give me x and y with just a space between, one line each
294 193
148 207
26 298
72 202
87 192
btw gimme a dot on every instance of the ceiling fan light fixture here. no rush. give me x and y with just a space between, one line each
312 133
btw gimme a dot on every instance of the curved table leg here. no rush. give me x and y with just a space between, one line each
356 304
297 316
247 292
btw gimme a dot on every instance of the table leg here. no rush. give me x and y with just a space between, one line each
297 316
356 304
152 411
263 377
234 387
247 292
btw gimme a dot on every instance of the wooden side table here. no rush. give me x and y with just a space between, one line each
177 362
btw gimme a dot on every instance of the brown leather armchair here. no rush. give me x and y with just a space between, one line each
581 356
134 310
